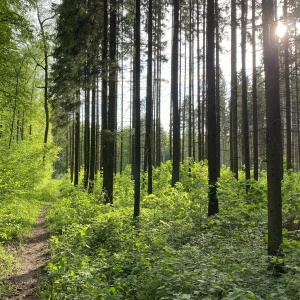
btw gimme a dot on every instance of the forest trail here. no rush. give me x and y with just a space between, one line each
31 262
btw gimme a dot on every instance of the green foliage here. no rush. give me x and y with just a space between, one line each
173 251
17 217
291 193
24 166
6 263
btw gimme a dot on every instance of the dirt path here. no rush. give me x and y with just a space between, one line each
31 262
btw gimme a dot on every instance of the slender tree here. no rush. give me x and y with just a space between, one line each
204 96
287 92
93 139
198 83
137 145
174 94
149 106
77 142
213 206
254 95
233 97
87 135
111 130
190 99
104 131
45 68
245 121
273 119
218 74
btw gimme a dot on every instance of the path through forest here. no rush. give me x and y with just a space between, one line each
31 262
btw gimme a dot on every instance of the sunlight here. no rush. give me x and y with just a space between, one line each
281 30
298 26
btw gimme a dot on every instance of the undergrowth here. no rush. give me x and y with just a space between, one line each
18 214
172 251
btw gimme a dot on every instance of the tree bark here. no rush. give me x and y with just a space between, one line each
254 95
149 106
245 122
77 143
93 140
111 130
287 94
233 98
137 145
213 206
218 74
174 95
273 118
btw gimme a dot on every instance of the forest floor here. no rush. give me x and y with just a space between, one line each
31 259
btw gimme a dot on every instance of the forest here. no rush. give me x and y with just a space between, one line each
149 149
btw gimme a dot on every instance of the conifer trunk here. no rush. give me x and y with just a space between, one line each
273 118
213 206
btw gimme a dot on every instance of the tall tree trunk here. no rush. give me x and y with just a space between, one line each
158 94
273 118
297 104
77 142
287 94
174 95
218 74
137 105
87 134
149 108
190 83
93 139
111 130
122 110
213 206
245 122
184 104
254 95
97 167
233 97
204 98
198 83
46 75
104 86
104 131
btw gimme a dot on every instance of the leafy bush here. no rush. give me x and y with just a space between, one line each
173 251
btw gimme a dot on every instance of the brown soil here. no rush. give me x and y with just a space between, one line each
32 259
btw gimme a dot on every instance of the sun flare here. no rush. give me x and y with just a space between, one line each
281 30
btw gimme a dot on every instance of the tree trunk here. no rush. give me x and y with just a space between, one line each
190 84
137 145
93 139
87 138
111 130
287 94
213 206
254 95
104 85
198 84
203 116
46 75
245 122
273 118
174 95
233 98
218 74
77 143
149 108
